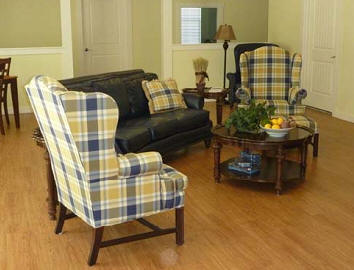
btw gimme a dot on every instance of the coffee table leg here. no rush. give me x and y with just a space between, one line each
280 159
304 159
217 148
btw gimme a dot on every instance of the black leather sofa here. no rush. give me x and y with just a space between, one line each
235 78
137 130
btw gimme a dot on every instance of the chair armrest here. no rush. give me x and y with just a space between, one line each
296 95
193 101
139 164
244 94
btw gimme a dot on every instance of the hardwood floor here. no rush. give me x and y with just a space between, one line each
227 226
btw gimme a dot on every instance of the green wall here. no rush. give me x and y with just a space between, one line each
30 23
146 17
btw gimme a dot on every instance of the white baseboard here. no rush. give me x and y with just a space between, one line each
344 116
26 109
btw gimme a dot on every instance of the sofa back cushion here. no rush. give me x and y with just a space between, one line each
117 90
137 100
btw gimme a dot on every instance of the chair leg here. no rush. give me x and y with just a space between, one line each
6 113
95 245
61 219
180 226
2 130
316 140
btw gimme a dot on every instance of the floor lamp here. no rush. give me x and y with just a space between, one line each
226 33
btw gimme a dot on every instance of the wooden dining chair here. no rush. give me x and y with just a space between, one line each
4 71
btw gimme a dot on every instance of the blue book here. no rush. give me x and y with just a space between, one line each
252 170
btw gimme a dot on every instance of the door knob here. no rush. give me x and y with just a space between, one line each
333 57
86 49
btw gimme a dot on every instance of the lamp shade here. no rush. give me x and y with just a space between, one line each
225 32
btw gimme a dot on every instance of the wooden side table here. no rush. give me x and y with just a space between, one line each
219 96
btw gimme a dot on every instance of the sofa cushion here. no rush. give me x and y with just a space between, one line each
137 100
131 139
163 95
159 127
186 119
116 89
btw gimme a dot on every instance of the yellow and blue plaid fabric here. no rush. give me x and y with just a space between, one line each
163 95
305 121
270 74
79 131
282 107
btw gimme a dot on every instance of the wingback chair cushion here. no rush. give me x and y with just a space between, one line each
269 74
99 187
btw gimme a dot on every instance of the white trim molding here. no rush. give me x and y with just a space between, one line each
343 116
31 51
66 37
166 33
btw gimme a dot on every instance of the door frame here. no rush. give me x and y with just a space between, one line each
306 51
80 45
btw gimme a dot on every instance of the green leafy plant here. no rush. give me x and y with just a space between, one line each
248 119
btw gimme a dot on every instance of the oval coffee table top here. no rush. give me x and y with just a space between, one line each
296 135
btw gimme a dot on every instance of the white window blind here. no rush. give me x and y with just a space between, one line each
191 25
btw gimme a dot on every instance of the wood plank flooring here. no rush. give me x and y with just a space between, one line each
227 226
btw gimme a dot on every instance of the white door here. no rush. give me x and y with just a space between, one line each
107 35
321 53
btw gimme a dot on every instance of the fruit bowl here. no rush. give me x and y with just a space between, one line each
277 132
278 127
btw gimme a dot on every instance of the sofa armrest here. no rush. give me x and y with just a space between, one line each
193 101
296 95
244 94
139 164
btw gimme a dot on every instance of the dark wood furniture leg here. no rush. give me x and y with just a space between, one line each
217 148
304 160
316 139
14 95
97 242
280 158
61 219
219 104
52 193
2 129
179 226
97 234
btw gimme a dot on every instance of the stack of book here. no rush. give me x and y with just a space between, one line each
246 163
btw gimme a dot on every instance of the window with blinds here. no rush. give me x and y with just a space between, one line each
191 25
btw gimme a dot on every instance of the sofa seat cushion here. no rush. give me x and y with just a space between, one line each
158 126
131 139
187 119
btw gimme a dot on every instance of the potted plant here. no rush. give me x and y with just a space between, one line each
249 119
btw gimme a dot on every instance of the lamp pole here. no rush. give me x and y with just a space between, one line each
225 46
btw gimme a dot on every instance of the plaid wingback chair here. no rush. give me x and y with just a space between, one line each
270 75
95 184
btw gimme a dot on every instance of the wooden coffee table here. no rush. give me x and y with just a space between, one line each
273 169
